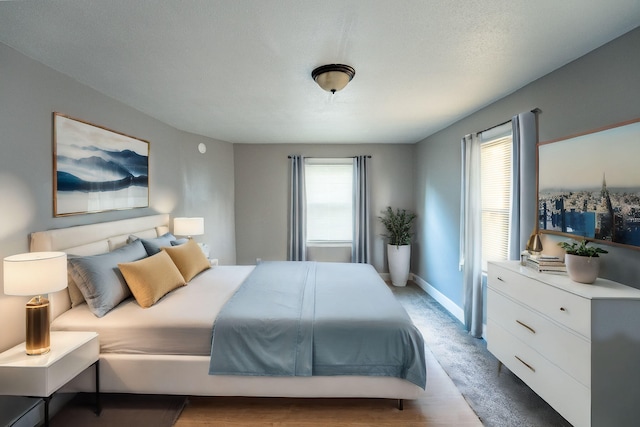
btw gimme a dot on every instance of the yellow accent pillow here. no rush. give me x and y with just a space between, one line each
189 259
151 278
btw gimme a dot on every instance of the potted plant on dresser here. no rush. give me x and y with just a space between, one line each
582 261
398 224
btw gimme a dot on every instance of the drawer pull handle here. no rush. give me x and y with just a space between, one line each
533 331
525 364
500 279
563 309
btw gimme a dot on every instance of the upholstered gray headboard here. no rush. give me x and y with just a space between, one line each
93 239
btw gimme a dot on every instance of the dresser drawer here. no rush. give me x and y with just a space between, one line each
569 351
567 396
569 309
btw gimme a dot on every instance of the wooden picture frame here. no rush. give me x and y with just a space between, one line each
589 185
96 169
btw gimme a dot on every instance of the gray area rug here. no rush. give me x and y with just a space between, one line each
121 410
498 400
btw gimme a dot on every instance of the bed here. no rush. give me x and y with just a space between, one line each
166 348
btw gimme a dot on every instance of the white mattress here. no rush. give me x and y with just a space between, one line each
180 323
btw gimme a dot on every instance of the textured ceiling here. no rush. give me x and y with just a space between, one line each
239 70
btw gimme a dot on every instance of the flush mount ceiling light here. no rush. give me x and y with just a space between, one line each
333 77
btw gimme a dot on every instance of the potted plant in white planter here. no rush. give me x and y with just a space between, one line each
398 224
582 261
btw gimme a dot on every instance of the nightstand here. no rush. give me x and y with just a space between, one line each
42 375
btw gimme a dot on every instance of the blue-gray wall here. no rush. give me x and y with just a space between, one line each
598 89
182 181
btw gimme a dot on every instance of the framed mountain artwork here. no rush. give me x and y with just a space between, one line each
97 169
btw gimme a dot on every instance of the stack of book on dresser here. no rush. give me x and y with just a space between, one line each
546 264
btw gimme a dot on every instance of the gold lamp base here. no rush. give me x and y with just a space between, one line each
37 337
534 245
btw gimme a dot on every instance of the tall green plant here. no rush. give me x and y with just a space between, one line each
398 225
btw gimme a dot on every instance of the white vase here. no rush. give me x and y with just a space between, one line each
582 269
399 258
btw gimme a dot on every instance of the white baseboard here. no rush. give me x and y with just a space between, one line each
449 305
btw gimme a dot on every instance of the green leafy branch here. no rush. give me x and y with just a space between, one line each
581 249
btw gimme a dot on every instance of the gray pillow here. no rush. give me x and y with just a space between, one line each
153 246
179 242
99 279
75 295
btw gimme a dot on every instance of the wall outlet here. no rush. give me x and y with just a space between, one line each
214 262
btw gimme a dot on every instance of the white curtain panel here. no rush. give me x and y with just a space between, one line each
360 248
521 219
297 250
471 234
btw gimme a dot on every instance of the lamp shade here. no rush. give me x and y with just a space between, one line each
35 273
188 226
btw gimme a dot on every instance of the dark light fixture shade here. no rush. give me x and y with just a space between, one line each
333 77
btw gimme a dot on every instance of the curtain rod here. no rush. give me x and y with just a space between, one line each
324 157
493 127
534 111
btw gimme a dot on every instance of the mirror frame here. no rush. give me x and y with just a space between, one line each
588 185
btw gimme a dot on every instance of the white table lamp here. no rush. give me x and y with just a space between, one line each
188 226
36 273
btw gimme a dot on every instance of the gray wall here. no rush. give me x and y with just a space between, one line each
262 188
599 89
182 181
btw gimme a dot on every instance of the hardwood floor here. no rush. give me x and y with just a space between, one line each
440 405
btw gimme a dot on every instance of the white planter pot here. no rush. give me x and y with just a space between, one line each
582 269
399 258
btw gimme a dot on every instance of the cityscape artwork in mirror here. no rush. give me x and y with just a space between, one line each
589 185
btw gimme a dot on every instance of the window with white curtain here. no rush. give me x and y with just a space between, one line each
329 194
495 182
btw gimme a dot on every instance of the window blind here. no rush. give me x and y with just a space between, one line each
329 193
495 161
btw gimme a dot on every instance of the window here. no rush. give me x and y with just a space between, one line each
329 193
495 183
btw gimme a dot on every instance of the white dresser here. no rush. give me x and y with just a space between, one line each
575 345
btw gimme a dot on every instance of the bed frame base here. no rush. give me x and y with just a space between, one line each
188 375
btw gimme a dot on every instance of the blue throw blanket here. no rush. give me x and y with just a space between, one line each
307 318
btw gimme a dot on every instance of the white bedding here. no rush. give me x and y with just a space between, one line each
180 323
